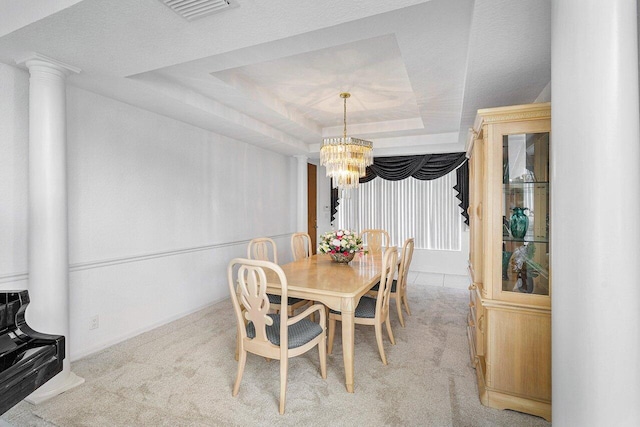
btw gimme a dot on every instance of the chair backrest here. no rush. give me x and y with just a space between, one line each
263 249
375 240
301 246
248 289
389 266
405 262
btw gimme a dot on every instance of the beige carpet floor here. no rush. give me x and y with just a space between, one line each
181 374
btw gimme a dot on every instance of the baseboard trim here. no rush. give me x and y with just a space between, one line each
132 334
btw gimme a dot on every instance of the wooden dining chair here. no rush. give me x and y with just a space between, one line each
273 336
373 311
301 246
265 249
375 240
399 285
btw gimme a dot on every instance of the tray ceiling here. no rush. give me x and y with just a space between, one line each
270 74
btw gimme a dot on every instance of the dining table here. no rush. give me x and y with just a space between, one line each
336 285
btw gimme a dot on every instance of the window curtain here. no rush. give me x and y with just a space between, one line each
421 167
426 210
462 187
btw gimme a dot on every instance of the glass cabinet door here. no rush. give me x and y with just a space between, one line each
525 213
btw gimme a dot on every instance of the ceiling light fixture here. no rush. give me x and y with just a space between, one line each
346 158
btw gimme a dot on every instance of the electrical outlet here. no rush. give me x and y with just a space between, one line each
94 322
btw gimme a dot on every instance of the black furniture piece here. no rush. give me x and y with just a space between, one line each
28 359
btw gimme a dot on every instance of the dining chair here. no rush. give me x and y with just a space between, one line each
273 336
265 249
399 286
373 311
301 246
375 240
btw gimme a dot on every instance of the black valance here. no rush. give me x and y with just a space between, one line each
423 167
462 187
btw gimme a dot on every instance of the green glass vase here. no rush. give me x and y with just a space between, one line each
519 222
506 257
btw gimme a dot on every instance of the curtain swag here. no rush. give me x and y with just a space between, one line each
423 167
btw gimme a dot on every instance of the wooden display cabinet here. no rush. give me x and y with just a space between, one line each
510 295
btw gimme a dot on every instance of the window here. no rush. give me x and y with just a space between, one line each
425 210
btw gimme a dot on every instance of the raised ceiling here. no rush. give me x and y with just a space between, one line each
269 73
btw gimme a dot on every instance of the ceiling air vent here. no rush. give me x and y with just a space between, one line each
195 9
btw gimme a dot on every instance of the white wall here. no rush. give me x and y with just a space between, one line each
157 208
14 135
443 262
424 260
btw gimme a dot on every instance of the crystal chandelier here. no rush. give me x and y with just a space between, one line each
346 158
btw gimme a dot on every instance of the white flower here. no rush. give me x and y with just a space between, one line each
348 242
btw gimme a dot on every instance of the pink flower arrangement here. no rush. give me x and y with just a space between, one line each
341 241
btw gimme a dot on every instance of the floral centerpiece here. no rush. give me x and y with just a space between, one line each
342 245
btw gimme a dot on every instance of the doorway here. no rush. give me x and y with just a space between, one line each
312 204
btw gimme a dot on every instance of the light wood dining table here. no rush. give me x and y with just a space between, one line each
338 286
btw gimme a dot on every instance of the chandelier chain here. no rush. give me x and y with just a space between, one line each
344 133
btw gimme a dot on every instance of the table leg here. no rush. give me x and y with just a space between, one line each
348 342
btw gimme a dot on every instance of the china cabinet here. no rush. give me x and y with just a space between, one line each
510 292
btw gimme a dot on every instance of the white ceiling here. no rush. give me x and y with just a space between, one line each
270 73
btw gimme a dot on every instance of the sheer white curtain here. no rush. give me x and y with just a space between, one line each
425 210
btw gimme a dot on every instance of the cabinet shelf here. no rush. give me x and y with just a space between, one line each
524 184
525 240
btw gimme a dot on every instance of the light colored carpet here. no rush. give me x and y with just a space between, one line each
181 374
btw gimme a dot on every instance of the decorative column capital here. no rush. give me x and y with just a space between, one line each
34 61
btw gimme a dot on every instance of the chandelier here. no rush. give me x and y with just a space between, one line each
346 158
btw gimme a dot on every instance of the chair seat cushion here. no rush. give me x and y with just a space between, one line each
393 286
277 299
299 333
366 308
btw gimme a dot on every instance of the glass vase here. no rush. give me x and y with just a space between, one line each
519 222
506 257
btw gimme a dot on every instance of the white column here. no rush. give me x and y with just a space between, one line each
48 287
595 211
301 196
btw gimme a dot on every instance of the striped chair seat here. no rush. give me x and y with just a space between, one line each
276 299
299 333
366 308
393 286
